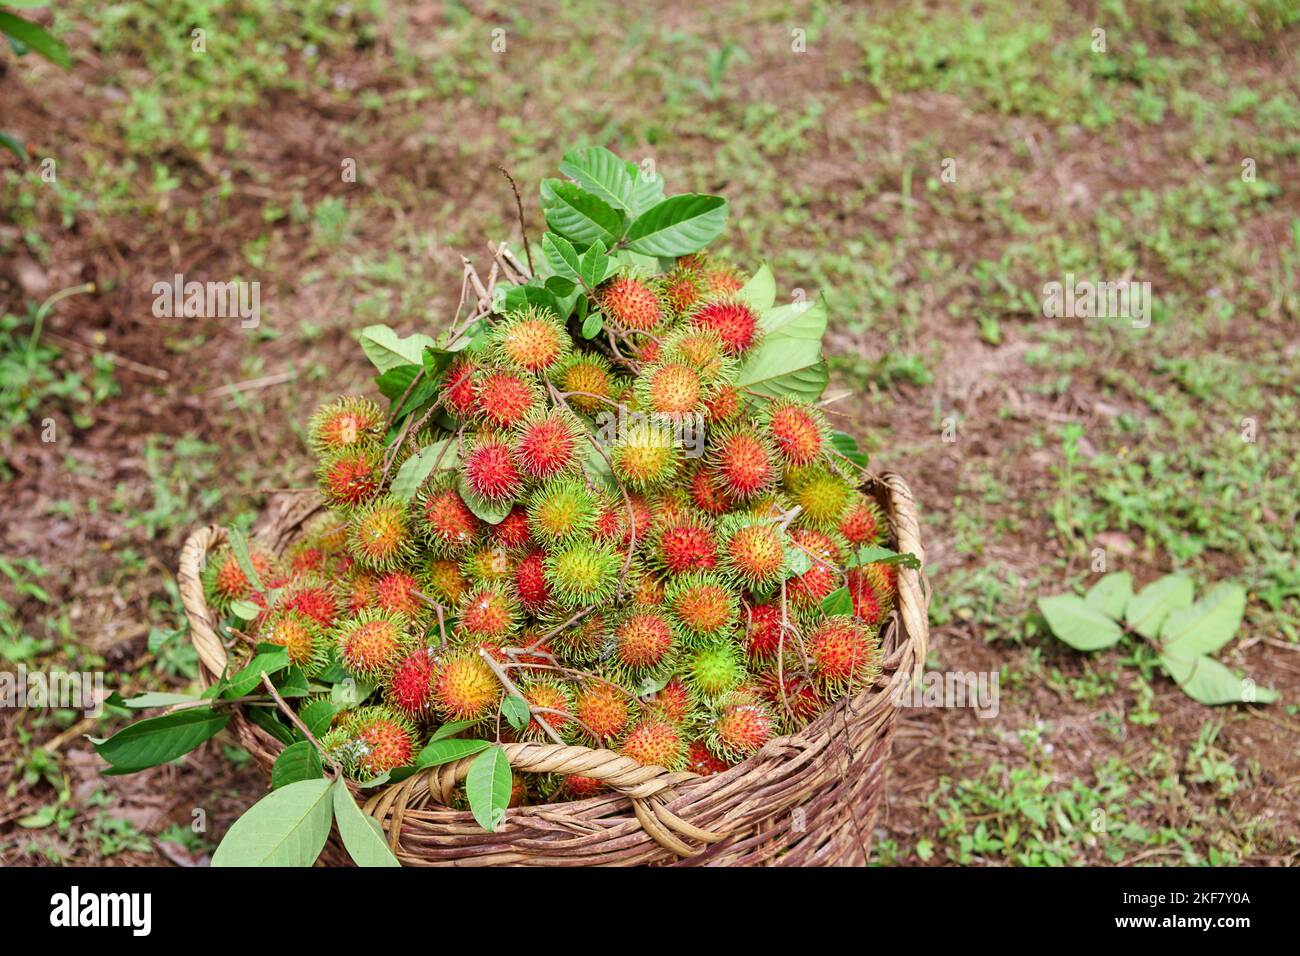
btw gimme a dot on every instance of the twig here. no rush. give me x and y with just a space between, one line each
510 686
519 207
253 384
288 711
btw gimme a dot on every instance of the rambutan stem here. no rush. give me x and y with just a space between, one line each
288 711
510 686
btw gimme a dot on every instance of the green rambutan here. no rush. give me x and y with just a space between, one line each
301 635
458 387
442 580
530 340
371 643
579 574
410 689
753 550
603 709
734 319
683 543
487 564
862 524
554 699
797 429
489 469
350 477
743 463
670 390
464 687
738 725
700 761
643 644
822 495
446 521
548 443
631 303
503 399
561 510
715 668
372 741
587 382
645 454
489 613
224 581
530 582
655 742
842 653
344 424
379 534
702 606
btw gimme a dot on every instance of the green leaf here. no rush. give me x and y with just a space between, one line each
603 174
1207 681
1147 611
239 546
487 785
452 729
158 699
874 554
578 215
760 290
416 469
300 761
361 837
1207 625
251 676
1111 594
561 287
292 683
520 297
387 350
788 360
839 601
798 561
288 827
594 266
14 145
592 325
438 752
677 226
159 740
350 692
394 383
1078 623
516 711
245 610
35 37
561 255
847 446
317 715
268 718
484 510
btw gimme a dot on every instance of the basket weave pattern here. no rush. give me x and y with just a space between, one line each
807 799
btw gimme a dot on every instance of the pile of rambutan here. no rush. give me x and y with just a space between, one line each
612 528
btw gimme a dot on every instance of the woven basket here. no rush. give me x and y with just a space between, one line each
808 799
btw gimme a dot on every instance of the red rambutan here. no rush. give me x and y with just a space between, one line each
503 399
548 443
655 742
344 424
684 544
530 582
349 478
372 643
734 319
489 469
631 303
446 521
743 463
410 689
797 429
603 709
738 726
465 687
700 761
842 653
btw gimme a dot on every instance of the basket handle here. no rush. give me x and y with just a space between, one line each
203 629
914 590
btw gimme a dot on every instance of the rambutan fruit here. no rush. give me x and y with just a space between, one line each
327 533
723 405
738 725
306 558
442 580
458 387
762 624
603 709
753 550
310 595
645 454
580 573
583 642
446 521
554 699
530 340
350 477
842 653
372 741
872 600
862 524
706 494
357 590
503 399
371 643
410 689
560 510
344 424
395 593
670 390
797 429
631 303
715 275
647 590
683 544
807 590
648 349
702 606
511 532
703 351
530 582
489 613
700 761
643 644
577 787
715 668
548 443
300 635
464 687
487 564
655 742
793 699
380 535
681 289
822 495
587 382
489 469
743 462
224 581
674 701
734 319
